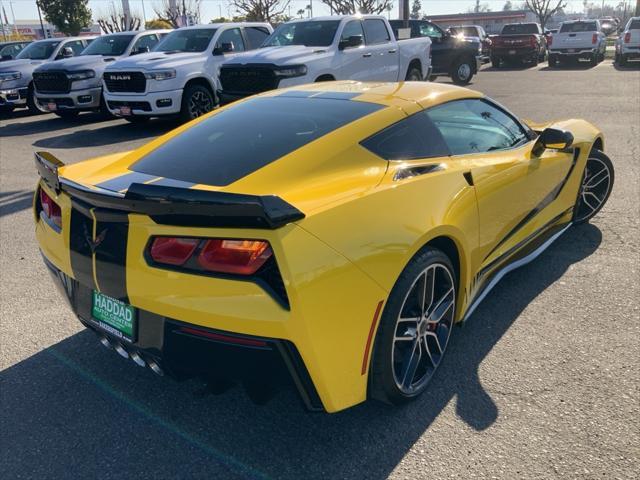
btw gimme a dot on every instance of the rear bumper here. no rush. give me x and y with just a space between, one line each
13 97
182 350
88 99
573 52
152 104
630 52
515 53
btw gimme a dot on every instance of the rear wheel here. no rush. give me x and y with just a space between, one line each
553 61
413 74
597 183
197 100
594 59
414 329
462 71
623 61
495 62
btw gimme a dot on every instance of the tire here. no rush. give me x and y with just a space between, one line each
137 120
594 59
396 377
196 101
536 59
462 71
413 74
623 61
32 104
495 62
104 110
595 187
67 114
553 61
616 58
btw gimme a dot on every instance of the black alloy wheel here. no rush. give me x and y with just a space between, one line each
597 183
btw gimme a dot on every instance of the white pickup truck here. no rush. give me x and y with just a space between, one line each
179 76
628 43
349 47
576 40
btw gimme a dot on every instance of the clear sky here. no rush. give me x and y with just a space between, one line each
26 10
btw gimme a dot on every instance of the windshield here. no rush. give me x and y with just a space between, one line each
39 50
634 25
466 31
520 29
578 27
192 40
310 34
108 45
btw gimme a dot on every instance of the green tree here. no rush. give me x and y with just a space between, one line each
416 7
68 16
157 24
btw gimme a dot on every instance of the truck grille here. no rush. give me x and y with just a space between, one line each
248 80
125 82
51 82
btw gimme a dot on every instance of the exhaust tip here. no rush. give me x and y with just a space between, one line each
121 351
156 368
135 356
105 341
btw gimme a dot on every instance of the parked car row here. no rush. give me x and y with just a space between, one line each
9 50
628 43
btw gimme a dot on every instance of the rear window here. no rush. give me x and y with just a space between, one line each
634 25
520 29
578 27
247 137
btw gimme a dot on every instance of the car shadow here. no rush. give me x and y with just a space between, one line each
15 201
108 135
41 123
570 66
77 407
630 67
509 68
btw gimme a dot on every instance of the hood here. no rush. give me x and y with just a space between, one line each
156 60
280 55
23 65
83 62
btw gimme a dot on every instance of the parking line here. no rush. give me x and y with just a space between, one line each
223 458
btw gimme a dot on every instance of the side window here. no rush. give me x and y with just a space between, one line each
476 126
430 30
376 31
411 138
352 29
148 41
77 46
233 36
255 36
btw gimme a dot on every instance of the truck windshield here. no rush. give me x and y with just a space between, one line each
191 40
39 50
520 29
310 34
108 45
578 27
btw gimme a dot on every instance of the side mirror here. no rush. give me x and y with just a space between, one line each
140 50
553 138
67 52
226 47
351 42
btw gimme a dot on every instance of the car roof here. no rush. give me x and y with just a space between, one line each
427 94
336 17
228 24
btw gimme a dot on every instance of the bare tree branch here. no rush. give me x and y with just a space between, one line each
184 9
116 21
349 7
545 9
261 10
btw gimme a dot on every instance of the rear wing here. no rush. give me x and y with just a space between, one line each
175 205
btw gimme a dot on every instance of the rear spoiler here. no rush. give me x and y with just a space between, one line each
175 205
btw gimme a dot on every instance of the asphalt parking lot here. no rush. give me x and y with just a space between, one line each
543 381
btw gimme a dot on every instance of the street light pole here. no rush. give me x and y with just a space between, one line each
44 32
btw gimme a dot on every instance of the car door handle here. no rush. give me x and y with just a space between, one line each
366 55
393 51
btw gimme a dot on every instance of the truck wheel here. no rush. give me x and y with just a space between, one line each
196 101
495 62
594 59
623 61
413 75
32 104
553 61
462 72
535 60
67 114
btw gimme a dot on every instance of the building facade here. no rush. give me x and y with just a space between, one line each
492 22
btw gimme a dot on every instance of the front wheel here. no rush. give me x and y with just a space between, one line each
414 329
196 101
462 72
597 183
32 103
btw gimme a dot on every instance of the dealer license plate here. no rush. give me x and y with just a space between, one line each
52 106
114 316
125 111
571 50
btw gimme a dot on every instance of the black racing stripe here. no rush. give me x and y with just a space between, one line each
80 236
123 181
169 182
546 201
112 232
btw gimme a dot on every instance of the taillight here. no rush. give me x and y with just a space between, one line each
627 37
594 39
50 209
172 250
241 257
549 40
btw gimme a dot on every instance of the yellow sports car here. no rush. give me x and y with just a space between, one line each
328 235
